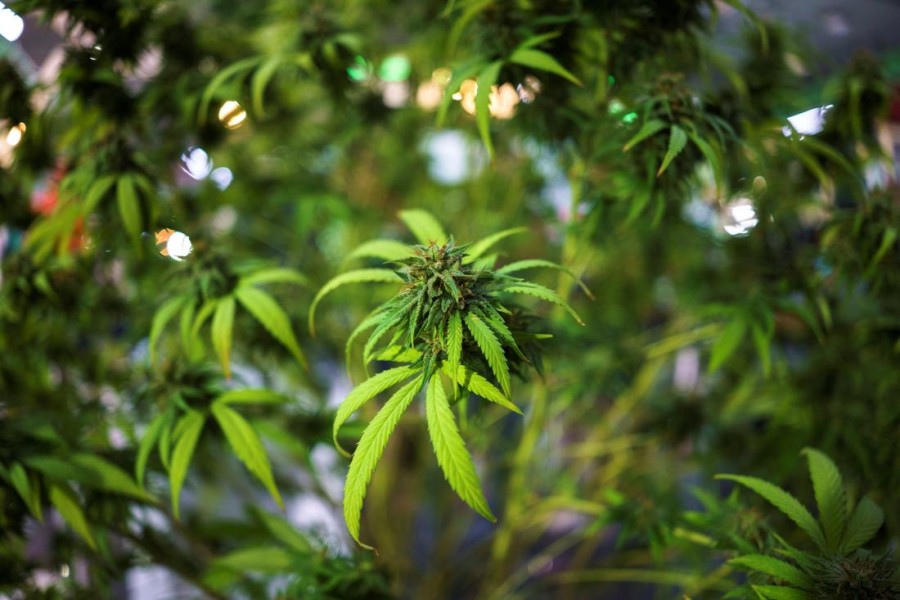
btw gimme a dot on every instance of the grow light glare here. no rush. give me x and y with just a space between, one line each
809 122
11 24
15 135
232 114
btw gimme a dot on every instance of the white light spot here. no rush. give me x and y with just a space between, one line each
222 177
809 122
739 217
429 95
11 24
15 135
395 94
232 114
196 163
178 246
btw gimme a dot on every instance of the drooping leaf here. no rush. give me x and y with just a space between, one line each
219 80
357 276
388 250
98 190
260 80
274 275
283 530
454 345
271 316
539 291
862 526
221 332
182 453
491 349
784 502
129 206
147 442
372 320
535 263
450 449
540 60
247 446
28 488
481 246
648 129
369 451
66 503
272 560
677 142
774 567
830 496
727 343
423 226
364 392
486 79
761 340
160 319
481 387
205 312
90 470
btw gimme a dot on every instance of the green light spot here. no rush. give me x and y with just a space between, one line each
616 106
630 118
394 68
611 80
359 70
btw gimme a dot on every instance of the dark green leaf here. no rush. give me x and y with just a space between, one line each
66 503
774 568
181 455
864 523
677 142
830 496
537 59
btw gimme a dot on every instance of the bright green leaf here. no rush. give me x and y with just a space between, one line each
545 294
369 451
727 343
147 441
274 275
66 503
129 206
830 496
537 59
491 349
247 446
480 247
357 276
677 142
388 250
221 331
486 79
250 396
535 263
774 567
450 449
423 226
647 129
481 387
182 453
28 488
161 318
265 310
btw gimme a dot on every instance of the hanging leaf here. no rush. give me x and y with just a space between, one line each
452 456
491 349
98 190
727 343
274 275
247 446
147 441
129 206
357 276
677 142
160 319
181 455
363 393
369 451
774 567
647 129
265 310
221 330
388 250
480 247
249 396
66 503
539 291
535 263
28 488
454 346
537 59
481 387
260 80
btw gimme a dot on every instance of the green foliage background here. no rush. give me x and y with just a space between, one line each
606 482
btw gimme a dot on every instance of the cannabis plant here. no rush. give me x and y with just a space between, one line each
452 320
841 569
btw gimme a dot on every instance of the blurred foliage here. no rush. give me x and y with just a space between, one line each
747 282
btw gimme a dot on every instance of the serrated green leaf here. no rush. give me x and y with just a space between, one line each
493 318
423 226
726 343
830 496
399 354
485 80
90 470
250 396
221 332
535 263
481 246
161 319
129 206
480 386
372 320
677 142
66 503
147 441
364 392
774 568
265 310
454 346
777 592
540 60
491 349
388 250
28 488
247 446
274 275
98 190
543 293
356 276
182 453
450 449
648 129
369 451
784 502
862 526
